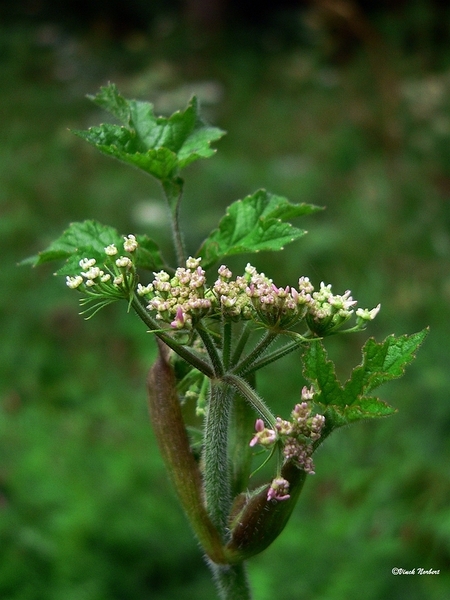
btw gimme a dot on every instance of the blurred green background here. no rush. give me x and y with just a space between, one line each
333 103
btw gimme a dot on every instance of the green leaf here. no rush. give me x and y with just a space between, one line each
110 100
385 361
88 239
159 146
381 362
254 224
148 255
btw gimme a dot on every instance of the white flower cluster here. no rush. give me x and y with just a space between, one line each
296 435
328 311
184 298
180 299
115 281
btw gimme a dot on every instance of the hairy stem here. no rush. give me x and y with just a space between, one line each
245 389
259 349
231 581
173 190
183 351
274 356
217 468
241 343
173 442
226 352
211 349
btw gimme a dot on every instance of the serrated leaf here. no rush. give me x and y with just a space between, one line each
254 224
381 362
159 146
79 239
385 361
320 371
110 100
88 239
120 143
366 408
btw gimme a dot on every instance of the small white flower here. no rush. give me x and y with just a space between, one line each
74 282
142 290
307 393
104 278
130 244
118 280
227 301
123 261
87 263
111 250
366 314
193 263
250 269
225 272
305 286
162 276
92 273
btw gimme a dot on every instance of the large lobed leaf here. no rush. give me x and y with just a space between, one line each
88 239
381 362
254 224
158 145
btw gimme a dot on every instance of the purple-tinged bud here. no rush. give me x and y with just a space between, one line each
257 520
307 393
180 319
265 437
278 490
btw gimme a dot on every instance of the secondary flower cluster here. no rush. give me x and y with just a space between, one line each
115 281
296 437
181 300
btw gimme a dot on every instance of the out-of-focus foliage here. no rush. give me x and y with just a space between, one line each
86 510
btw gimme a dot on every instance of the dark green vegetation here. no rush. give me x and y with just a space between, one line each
86 511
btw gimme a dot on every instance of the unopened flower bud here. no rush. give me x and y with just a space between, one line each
130 244
123 262
278 490
111 250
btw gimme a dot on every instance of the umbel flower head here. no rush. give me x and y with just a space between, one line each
113 280
179 300
295 437
183 299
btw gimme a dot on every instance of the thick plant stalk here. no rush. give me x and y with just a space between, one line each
216 459
173 441
231 580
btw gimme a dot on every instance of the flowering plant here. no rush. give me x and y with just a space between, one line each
215 330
